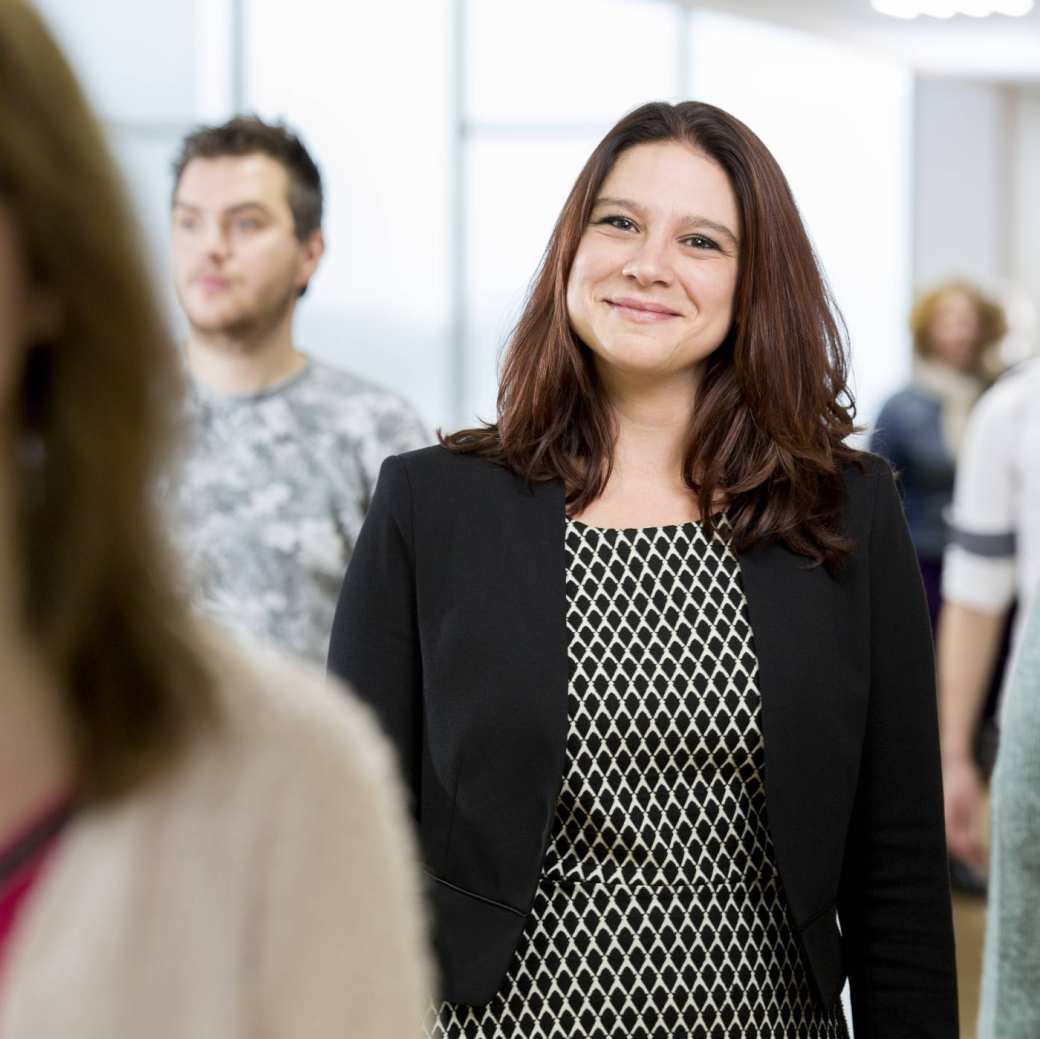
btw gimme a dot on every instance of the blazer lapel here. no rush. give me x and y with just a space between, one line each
814 690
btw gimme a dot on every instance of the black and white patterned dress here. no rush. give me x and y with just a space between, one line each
659 912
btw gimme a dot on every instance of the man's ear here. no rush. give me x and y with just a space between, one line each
312 249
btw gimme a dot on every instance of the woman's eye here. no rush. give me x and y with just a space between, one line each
247 224
699 241
622 223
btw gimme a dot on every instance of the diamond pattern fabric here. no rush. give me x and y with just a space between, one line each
659 912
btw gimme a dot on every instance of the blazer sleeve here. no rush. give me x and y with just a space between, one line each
894 903
374 645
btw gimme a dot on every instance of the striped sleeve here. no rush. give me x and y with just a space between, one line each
979 567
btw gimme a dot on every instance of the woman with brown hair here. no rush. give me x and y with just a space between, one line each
191 844
653 646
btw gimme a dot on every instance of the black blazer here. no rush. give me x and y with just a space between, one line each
451 625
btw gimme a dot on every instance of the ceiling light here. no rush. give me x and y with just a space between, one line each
951 8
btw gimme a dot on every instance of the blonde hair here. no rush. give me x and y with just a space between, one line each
93 417
992 322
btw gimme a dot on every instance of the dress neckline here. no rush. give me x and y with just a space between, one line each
689 525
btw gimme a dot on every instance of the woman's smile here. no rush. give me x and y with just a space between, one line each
641 311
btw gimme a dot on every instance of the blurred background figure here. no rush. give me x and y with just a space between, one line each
283 449
444 160
993 559
920 429
1011 977
191 843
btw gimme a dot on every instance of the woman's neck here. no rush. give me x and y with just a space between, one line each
646 485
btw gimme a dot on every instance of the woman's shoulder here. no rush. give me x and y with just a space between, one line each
280 714
441 472
863 469
869 484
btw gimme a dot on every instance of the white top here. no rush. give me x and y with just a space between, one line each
994 553
266 887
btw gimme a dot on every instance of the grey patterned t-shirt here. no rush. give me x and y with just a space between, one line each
269 496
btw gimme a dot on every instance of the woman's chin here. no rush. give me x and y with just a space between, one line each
643 358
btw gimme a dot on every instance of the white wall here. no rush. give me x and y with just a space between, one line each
977 194
960 182
1023 215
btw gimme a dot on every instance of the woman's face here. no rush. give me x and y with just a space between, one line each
651 288
954 330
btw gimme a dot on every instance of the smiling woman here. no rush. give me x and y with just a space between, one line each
653 645
682 207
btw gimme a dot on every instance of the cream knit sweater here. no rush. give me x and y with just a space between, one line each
266 887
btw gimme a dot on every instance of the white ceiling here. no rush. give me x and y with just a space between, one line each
997 48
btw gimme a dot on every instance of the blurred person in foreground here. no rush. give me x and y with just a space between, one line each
654 645
191 843
993 560
1010 1007
283 450
921 428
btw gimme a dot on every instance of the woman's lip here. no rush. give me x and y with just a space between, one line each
636 311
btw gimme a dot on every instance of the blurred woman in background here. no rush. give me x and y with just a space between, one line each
920 428
653 645
191 843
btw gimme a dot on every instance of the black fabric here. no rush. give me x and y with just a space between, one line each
659 911
451 625
492 929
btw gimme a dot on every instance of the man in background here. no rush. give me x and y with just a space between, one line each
993 559
283 450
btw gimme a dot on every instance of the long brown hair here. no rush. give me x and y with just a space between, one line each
773 406
92 416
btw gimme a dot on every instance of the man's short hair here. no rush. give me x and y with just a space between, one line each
250 135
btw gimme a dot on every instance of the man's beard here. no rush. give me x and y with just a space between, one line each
249 330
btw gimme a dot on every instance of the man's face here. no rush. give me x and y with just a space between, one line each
238 265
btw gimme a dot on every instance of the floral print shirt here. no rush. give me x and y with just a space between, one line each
269 494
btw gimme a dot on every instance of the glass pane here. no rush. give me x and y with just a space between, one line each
573 61
516 190
137 60
846 152
380 303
